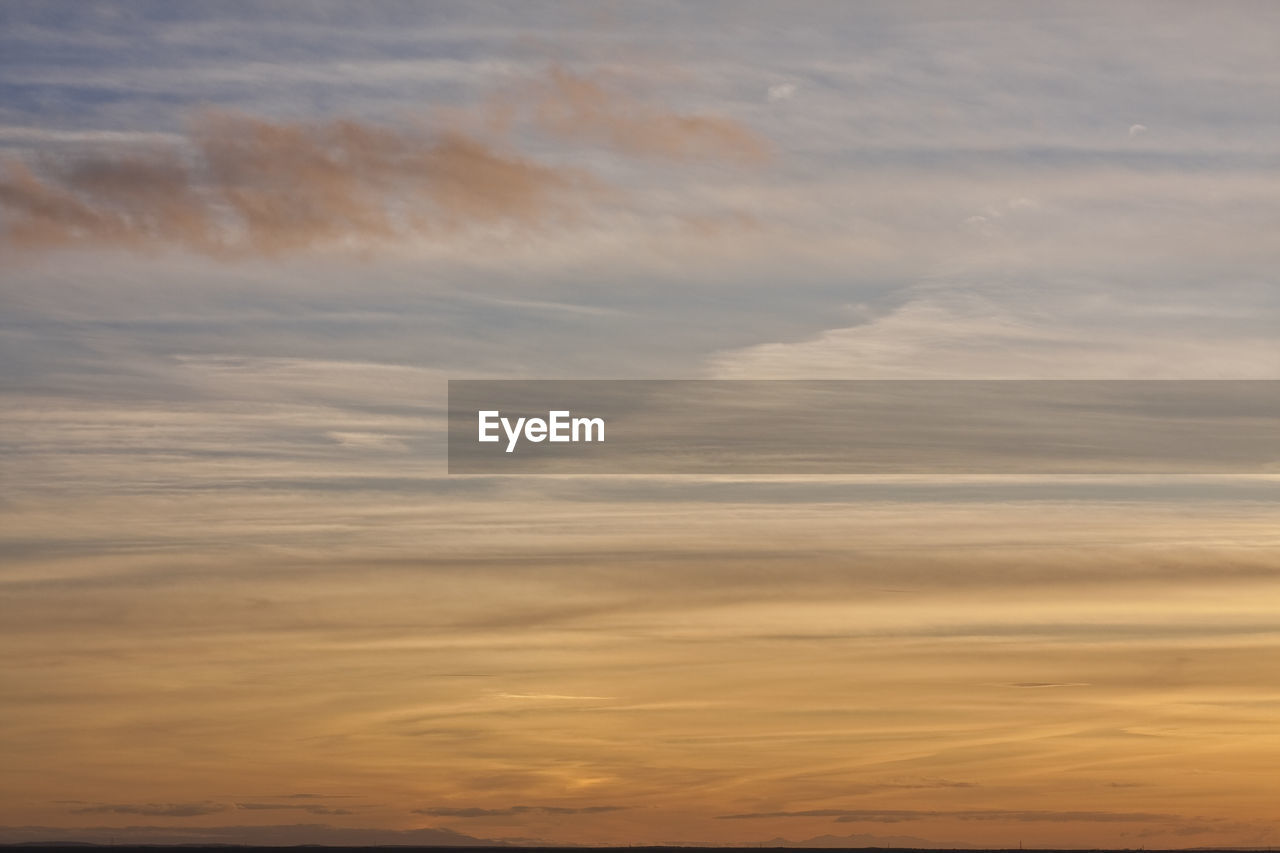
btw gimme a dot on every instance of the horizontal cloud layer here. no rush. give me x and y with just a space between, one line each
240 184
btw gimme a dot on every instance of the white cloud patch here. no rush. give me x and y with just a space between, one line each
781 91
967 335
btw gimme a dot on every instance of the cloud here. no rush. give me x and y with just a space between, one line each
274 835
309 809
552 696
572 106
781 91
969 331
264 187
516 810
862 840
914 784
1017 815
18 134
237 184
315 796
155 809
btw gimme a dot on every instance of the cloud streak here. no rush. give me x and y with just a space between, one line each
308 808
1017 815
155 809
575 107
268 835
238 184
512 811
262 187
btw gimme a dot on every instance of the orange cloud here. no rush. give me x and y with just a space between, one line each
262 186
250 185
571 106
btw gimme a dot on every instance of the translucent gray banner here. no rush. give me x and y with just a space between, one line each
864 427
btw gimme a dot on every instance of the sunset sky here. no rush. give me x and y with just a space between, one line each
243 246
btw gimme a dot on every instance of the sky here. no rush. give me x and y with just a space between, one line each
243 245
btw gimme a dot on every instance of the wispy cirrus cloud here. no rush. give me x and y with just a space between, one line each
155 809
251 451
269 835
239 184
261 186
511 811
573 106
309 808
1016 815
